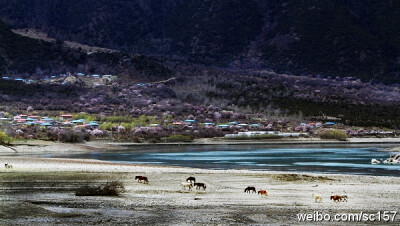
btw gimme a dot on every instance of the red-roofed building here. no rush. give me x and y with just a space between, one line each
65 117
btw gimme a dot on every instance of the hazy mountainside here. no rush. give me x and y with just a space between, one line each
326 37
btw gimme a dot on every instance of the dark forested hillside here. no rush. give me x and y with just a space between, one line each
320 37
26 56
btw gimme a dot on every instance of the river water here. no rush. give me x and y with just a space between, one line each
345 159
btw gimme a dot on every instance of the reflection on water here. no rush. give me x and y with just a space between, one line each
348 159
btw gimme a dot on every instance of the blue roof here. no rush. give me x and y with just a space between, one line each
233 123
209 123
254 125
190 120
47 119
45 124
53 76
80 74
18 79
330 123
140 84
95 75
6 78
78 120
224 125
29 123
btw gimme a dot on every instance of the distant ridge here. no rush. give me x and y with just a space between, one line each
319 37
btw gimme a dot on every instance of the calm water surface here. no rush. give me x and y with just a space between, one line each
347 159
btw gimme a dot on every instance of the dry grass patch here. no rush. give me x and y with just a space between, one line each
300 177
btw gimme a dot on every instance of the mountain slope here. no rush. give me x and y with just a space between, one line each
27 56
337 39
21 54
326 37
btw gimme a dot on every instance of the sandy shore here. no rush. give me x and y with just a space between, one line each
43 147
42 191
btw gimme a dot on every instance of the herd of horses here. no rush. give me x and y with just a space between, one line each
253 190
191 182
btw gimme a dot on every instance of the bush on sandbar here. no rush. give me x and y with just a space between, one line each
333 134
113 188
179 138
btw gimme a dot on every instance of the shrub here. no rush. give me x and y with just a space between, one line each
97 133
4 139
113 188
179 138
333 134
70 136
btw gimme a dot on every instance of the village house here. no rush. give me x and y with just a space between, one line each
17 117
107 77
65 117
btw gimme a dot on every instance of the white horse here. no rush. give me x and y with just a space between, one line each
317 198
187 185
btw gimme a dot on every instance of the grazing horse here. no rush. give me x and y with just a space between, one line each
248 189
317 198
339 198
263 192
191 180
200 185
187 185
142 178
8 166
336 198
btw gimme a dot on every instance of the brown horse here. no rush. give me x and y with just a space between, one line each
142 179
339 198
263 192
248 189
336 198
200 185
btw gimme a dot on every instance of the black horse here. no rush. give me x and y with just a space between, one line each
191 180
248 189
142 178
200 185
